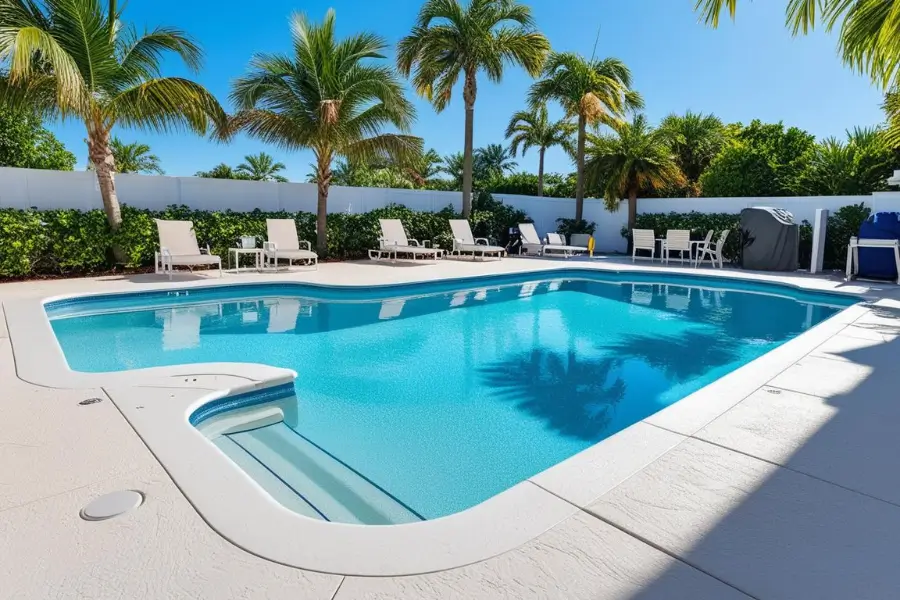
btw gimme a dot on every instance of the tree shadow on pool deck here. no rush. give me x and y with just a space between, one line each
572 395
816 515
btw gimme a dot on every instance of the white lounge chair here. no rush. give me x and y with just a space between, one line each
393 242
464 241
643 239
178 247
391 309
283 243
283 313
531 241
677 240
556 242
713 251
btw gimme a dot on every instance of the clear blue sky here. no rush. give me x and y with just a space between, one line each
752 69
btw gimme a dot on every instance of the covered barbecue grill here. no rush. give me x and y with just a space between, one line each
771 239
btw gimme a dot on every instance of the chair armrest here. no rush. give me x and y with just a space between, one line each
163 251
308 245
205 250
270 246
484 241
411 243
426 243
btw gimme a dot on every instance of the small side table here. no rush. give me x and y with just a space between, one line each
235 255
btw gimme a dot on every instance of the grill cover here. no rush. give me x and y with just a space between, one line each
772 239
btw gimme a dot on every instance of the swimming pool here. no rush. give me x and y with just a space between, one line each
415 402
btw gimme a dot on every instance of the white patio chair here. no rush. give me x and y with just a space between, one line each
677 240
464 241
393 242
643 239
178 247
714 251
702 247
283 243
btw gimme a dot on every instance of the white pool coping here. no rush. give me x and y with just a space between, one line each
157 403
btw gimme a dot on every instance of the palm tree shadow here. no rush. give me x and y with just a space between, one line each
680 356
574 396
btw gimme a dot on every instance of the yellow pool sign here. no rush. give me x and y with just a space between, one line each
591 246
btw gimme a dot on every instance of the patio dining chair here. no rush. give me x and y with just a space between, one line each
643 239
714 251
677 240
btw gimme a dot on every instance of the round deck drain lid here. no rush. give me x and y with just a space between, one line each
112 505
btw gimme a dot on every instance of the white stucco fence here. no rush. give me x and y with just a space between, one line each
24 188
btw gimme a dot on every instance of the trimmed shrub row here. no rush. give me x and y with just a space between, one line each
842 225
72 242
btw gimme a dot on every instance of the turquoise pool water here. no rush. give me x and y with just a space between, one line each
420 401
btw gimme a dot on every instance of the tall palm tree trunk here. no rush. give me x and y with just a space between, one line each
323 179
541 172
101 157
579 168
632 207
469 91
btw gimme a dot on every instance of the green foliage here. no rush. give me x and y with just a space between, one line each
860 165
61 242
492 219
762 159
842 225
569 226
222 171
135 158
25 143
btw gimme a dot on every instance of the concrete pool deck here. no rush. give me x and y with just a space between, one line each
786 490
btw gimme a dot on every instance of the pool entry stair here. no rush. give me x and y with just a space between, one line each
308 480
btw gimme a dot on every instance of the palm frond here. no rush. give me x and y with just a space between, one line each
166 104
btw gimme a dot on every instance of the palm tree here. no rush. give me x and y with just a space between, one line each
594 90
75 59
327 96
454 165
220 171
427 166
134 158
695 139
492 162
636 157
261 167
533 128
450 39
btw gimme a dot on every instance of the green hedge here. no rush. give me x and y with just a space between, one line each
71 242
843 224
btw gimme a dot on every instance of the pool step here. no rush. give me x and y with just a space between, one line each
318 481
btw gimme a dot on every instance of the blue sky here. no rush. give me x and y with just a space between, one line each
751 69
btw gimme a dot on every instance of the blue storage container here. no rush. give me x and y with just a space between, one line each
878 263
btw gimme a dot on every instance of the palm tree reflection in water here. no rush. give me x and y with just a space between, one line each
575 396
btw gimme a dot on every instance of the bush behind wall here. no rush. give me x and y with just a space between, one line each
72 242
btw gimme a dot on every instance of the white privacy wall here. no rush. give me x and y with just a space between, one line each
25 188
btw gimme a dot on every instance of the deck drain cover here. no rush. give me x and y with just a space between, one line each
112 505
